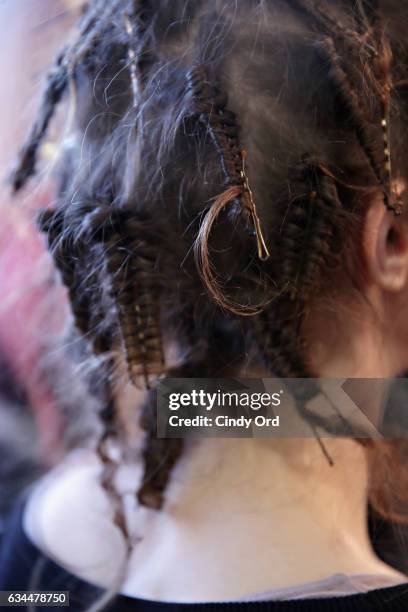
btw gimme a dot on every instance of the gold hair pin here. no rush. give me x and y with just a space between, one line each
392 200
250 206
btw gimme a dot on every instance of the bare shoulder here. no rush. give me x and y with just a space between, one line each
69 517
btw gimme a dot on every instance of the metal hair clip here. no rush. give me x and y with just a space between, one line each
391 199
250 206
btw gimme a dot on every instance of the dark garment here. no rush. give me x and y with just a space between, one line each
21 563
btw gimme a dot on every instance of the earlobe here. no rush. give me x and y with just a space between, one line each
385 242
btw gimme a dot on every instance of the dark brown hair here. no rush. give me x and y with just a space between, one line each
247 133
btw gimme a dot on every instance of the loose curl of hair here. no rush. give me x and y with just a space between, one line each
172 97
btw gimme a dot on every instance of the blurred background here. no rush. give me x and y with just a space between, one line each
30 426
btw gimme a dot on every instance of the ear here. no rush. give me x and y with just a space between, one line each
385 243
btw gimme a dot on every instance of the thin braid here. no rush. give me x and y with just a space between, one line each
57 82
351 102
52 223
66 253
159 456
142 15
137 18
370 16
371 45
276 333
109 436
209 108
66 250
131 254
323 18
89 29
132 57
309 236
210 104
280 345
380 163
98 21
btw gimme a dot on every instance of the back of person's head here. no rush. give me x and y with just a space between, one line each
215 186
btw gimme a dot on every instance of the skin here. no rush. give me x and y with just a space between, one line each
244 516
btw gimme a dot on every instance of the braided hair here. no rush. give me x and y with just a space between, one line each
245 135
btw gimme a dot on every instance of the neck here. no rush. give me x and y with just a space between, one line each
257 509
362 348
271 511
